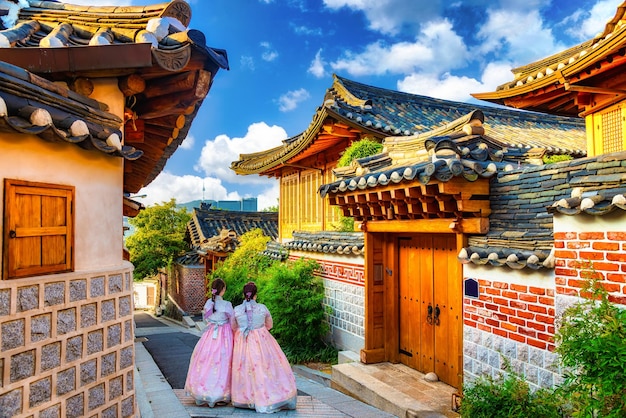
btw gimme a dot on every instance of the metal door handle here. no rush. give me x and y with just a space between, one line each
429 317
437 312
12 234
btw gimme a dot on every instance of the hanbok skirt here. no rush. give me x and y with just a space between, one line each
209 376
262 376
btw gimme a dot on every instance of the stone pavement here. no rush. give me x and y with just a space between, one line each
160 393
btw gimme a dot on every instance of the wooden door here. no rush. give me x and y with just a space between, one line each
429 305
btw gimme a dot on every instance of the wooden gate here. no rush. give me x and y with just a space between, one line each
429 304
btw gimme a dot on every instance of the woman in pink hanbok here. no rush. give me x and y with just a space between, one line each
262 376
209 376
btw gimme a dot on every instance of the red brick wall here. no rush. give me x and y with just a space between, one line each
584 255
189 290
521 313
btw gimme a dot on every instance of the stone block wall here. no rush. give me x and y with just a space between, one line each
344 293
67 345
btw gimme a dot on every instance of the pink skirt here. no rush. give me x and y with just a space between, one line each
209 376
262 376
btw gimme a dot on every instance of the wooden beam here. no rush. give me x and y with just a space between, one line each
468 226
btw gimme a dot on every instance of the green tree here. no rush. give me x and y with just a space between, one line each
360 149
158 237
244 264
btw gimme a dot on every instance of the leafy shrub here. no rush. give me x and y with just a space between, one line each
345 224
244 264
592 344
359 149
508 396
294 296
549 159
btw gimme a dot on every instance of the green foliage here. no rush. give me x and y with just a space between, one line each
158 238
244 264
549 159
294 296
507 397
359 149
592 344
345 224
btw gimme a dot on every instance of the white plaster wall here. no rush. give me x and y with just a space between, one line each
615 221
98 196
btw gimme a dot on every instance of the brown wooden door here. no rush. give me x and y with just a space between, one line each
429 303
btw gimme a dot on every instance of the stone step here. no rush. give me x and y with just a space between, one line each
411 397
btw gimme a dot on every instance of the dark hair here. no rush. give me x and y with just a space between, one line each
218 285
249 290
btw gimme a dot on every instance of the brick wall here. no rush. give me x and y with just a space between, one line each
522 313
584 255
190 288
67 346
511 325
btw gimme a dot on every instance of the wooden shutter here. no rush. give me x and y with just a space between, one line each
38 228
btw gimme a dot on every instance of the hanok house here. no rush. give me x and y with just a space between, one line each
585 211
213 234
396 287
88 114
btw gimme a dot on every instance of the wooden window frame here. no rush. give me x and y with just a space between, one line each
38 217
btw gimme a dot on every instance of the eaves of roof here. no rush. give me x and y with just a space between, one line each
386 113
172 66
33 105
556 70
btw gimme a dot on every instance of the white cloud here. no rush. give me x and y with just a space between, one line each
185 189
218 154
305 30
247 62
290 100
517 35
188 143
389 16
458 88
586 23
318 65
269 54
268 197
437 48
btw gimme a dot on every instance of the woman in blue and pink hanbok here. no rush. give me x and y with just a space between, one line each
209 376
262 376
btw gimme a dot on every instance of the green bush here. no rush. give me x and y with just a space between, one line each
294 296
508 396
359 149
556 158
246 263
592 344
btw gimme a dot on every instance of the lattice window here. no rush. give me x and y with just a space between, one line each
612 136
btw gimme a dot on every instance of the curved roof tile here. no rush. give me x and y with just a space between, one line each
406 116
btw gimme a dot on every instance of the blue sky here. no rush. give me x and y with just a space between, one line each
283 53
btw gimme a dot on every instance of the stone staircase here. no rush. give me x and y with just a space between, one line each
393 388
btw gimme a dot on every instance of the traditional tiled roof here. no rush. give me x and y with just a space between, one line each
557 76
343 243
461 148
384 113
276 251
207 223
164 69
31 104
523 202
190 258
